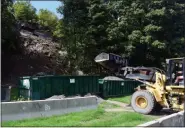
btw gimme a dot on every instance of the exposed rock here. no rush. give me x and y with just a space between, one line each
78 73
62 53
37 55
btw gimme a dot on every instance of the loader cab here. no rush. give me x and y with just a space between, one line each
176 71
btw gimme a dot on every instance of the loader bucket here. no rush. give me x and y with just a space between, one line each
111 61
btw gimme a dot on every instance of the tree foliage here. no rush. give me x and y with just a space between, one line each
8 24
146 31
47 19
75 27
58 30
24 11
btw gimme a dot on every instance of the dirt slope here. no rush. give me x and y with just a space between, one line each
38 55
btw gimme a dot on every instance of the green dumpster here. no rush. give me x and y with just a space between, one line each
42 87
114 88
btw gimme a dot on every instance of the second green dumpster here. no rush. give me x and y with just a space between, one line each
114 88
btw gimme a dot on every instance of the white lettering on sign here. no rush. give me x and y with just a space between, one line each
47 107
72 80
23 107
122 84
26 83
36 78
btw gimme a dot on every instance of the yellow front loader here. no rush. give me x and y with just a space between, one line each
162 90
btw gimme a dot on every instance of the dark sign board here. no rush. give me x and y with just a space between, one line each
117 59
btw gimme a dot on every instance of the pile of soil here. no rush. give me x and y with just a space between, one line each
37 54
113 78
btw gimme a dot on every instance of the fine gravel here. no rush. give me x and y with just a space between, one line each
56 97
64 97
113 78
99 100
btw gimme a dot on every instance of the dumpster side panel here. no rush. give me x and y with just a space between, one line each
42 87
118 88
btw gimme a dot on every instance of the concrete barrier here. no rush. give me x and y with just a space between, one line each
41 108
173 120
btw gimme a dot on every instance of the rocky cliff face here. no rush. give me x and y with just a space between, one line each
39 54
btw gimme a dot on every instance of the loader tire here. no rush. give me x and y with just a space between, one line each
143 102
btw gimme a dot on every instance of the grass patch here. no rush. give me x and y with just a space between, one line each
105 105
123 99
96 117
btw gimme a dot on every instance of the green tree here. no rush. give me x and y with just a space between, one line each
157 36
59 30
24 11
146 31
47 19
8 23
100 18
75 24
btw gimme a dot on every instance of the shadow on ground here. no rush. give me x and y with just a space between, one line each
164 112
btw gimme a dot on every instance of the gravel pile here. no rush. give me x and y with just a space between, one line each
62 97
99 100
78 96
113 78
56 97
88 94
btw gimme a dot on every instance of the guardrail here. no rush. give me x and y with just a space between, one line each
42 108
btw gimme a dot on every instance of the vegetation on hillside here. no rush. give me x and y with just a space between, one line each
9 35
24 11
145 31
47 19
